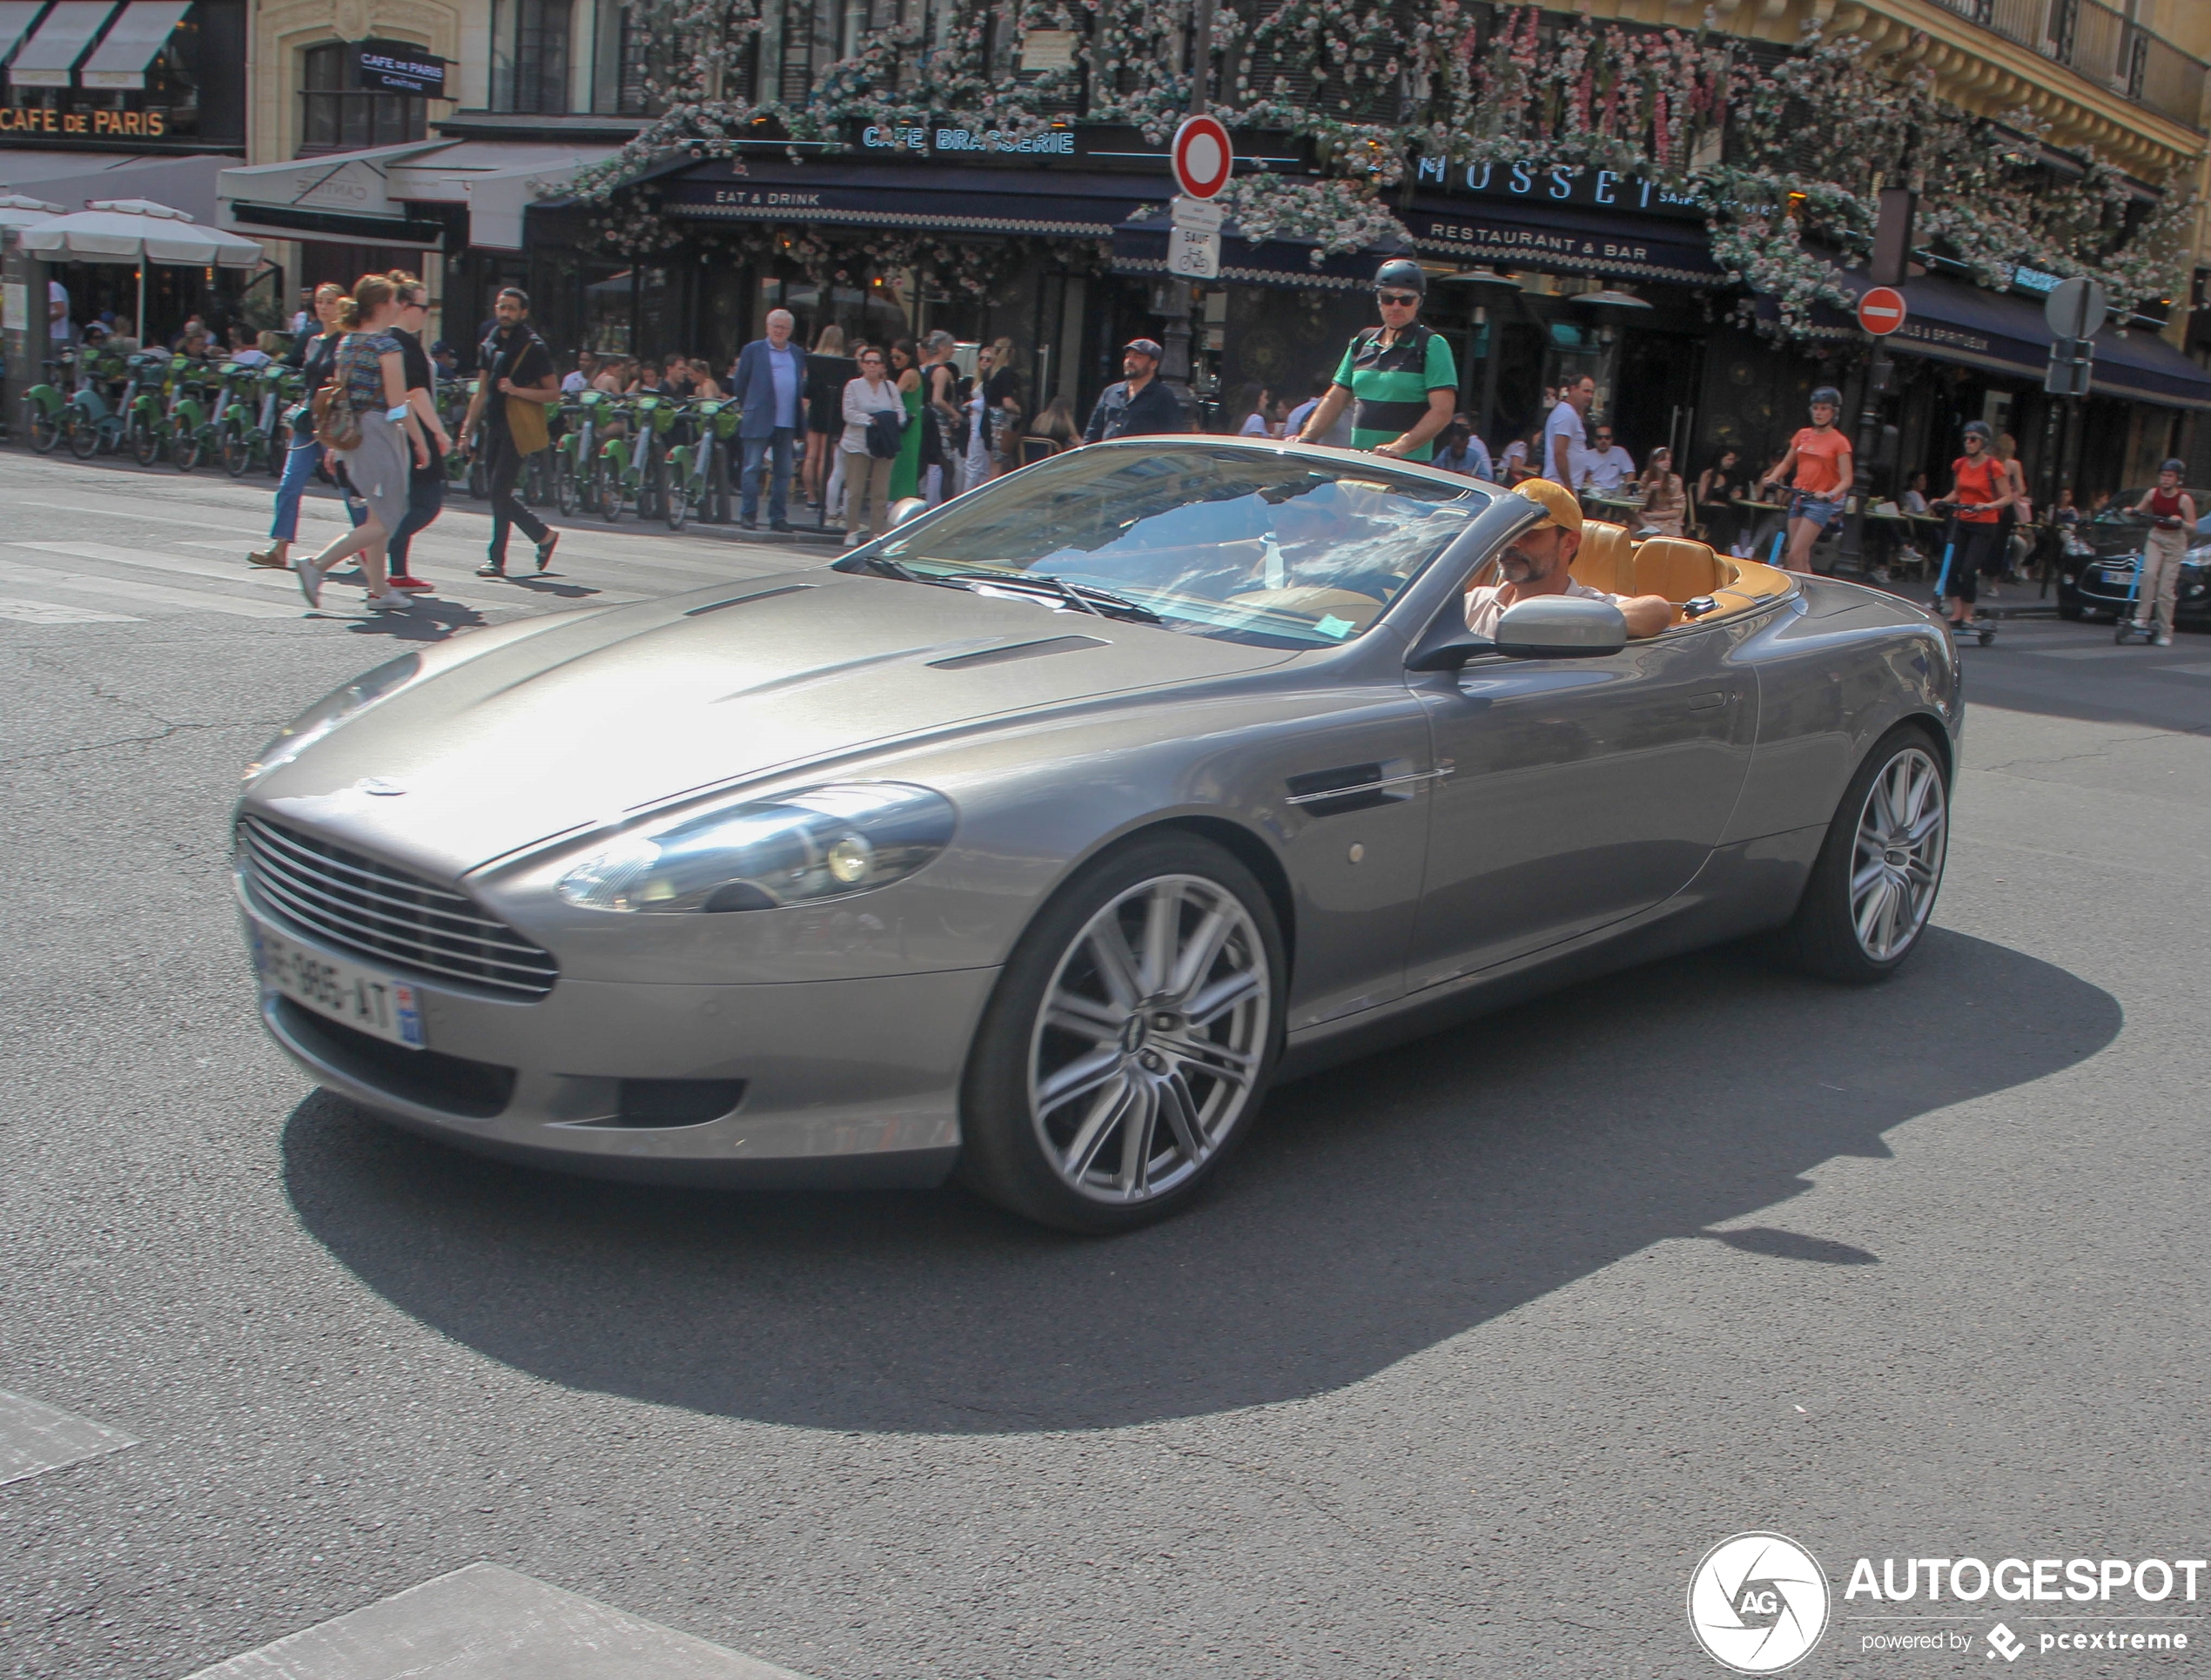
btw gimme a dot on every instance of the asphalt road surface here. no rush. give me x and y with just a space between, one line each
1473 1355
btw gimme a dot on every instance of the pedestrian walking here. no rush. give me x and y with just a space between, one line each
905 472
1979 493
993 403
425 487
1607 467
1566 438
1140 405
2171 512
1819 456
369 379
829 370
769 385
1665 503
870 449
518 371
1399 380
314 356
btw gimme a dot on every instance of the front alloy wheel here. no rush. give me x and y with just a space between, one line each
1874 887
1130 1040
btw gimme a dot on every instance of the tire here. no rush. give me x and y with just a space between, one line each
676 501
1089 1054
607 483
185 454
145 444
45 428
564 486
83 434
1900 793
238 451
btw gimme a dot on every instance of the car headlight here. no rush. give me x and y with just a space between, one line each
800 848
327 714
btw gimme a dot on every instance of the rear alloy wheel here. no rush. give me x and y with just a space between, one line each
1129 1041
45 428
1880 867
83 434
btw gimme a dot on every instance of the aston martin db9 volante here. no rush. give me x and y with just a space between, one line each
1032 840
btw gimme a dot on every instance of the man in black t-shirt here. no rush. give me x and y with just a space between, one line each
513 362
426 489
1140 404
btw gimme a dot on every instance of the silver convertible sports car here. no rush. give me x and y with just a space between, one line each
1031 841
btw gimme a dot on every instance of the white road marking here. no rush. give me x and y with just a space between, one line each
286 581
41 612
192 600
484 1622
35 1439
2198 669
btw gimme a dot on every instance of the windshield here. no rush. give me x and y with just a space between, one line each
1254 545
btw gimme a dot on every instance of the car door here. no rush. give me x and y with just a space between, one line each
1580 791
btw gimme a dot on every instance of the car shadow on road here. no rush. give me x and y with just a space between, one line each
1379 1210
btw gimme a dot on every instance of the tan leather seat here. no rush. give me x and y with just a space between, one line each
1675 567
1603 561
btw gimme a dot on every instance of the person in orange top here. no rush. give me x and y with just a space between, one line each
1980 491
1820 456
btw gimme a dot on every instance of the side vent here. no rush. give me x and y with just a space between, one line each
1359 787
1058 644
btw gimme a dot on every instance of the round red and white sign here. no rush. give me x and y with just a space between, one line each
1203 160
1881 310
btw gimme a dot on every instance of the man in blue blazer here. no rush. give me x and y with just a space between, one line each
770 386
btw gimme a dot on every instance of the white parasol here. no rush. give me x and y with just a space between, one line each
141 231
15 211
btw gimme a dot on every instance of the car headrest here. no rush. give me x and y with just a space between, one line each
1677 569
1602 562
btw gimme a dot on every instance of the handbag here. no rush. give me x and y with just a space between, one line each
526 424
338 424
886 426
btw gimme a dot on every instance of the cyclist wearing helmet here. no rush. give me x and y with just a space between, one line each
1979 493
1821 457
2171 512
1400 378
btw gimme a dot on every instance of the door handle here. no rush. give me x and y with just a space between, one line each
1700 702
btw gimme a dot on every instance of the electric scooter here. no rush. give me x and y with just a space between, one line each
1984 631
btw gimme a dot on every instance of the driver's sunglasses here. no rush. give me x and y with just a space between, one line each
1397 299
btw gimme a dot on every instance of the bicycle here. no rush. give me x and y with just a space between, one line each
88 422
245 428
699 476
576 453
656 418
47 415
190 426
613 471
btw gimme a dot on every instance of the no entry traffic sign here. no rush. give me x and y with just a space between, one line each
1203 160
1881 310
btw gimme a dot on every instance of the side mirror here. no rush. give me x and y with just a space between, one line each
1447 645
1561 627
904 509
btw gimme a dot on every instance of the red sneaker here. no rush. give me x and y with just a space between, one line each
409 583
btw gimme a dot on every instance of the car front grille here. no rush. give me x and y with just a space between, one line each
341 897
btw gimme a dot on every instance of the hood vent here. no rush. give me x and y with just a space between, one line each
1058 644
739 600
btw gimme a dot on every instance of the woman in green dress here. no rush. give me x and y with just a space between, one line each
905 471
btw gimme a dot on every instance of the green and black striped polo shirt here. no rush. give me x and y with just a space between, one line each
1389 383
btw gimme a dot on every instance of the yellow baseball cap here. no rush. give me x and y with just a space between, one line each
1557 502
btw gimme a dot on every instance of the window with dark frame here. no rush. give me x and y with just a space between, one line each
335 116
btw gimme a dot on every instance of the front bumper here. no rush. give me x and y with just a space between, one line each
829 1083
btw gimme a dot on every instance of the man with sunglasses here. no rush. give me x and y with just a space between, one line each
1400 378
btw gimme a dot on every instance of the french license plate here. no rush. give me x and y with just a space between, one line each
348 992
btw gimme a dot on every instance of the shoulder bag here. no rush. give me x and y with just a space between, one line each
337 426
526 424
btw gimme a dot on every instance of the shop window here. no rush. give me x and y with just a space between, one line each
627 61
530 59
337 116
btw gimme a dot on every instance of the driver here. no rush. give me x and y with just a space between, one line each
1535 561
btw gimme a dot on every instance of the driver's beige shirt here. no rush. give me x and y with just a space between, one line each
1484 609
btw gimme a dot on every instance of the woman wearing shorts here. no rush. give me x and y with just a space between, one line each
1820 456
1980 491
372 378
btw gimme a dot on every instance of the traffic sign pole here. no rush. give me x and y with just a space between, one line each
1881 310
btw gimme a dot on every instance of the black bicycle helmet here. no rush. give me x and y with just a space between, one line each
1979 429
1402 272
2176 464
1828 394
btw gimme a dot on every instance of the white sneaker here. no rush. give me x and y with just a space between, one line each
309 575
390 601
2163 641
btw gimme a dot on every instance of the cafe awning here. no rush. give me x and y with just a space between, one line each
1025 202
380 195
15 18
47 58
133 41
